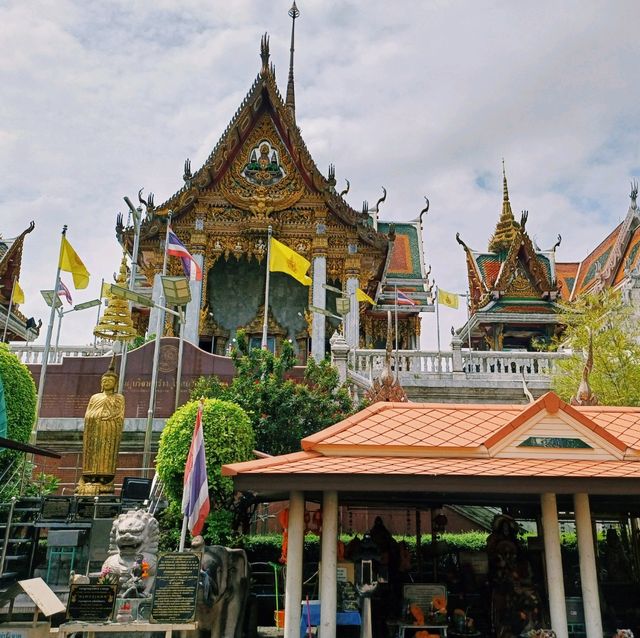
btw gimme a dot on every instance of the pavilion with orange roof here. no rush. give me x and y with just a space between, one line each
545 455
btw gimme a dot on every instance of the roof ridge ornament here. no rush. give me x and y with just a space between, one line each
290 101
507 225
585 395
634 194
264 54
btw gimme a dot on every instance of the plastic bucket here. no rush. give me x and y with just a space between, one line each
278 617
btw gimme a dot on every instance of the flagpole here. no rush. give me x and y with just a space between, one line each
183 534
396 321
146 454
265 319
47 344
95 336
55 349
182 318
136 214
468 296
6 323
438 318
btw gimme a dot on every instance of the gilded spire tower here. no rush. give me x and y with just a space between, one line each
290 102
507 225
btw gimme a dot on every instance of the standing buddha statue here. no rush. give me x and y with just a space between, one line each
103 423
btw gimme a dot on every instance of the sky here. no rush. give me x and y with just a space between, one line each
103 97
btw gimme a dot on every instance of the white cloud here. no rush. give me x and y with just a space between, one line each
100 99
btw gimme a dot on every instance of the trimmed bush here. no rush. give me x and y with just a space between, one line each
19 395
228 437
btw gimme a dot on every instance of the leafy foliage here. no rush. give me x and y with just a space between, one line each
19 395
607 320
281 411
227 438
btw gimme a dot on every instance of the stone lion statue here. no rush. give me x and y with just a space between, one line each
133 550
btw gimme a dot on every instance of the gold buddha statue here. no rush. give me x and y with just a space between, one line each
103 423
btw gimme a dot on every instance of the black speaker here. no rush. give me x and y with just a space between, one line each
135 489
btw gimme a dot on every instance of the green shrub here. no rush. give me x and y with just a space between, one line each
228 438
19 395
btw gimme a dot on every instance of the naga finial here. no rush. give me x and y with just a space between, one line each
382 199
634 193
586 396
346 190
264 53
459 240
187 175
148 204
557 243
523 218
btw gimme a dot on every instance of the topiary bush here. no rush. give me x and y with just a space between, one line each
19 395
228 438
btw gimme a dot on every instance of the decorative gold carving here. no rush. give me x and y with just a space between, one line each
103 423
274 329
258 191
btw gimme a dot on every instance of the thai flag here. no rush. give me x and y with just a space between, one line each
195 497
63 291
176 248
403 300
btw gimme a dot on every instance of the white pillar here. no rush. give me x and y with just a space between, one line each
155 314
192 325
588 572
553 562
329 556
352 320
293 587
319 300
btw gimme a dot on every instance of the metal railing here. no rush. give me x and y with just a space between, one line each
33 353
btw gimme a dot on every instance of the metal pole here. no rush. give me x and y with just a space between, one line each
61 314
6 323
265 319
137 216
47 346
146 455
468 297
396 322
183 534
438 319
95 336
180 352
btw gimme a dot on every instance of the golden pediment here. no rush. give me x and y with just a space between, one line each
263 178
273 327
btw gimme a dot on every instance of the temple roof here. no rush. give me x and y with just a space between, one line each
547 439
263 98
606 264
512 267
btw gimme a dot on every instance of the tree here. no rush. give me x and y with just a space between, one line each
281 411
611 325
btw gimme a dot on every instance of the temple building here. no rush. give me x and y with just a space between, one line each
512 288
18 327
260 175
611 264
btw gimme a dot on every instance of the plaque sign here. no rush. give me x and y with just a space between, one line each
91 603
176 588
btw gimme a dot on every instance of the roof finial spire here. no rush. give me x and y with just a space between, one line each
294 12
505 188
507 225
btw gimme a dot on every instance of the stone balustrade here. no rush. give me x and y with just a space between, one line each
33 353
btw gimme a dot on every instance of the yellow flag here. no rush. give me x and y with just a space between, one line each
449 299
18 293
70 262
106 289
283 259
361 295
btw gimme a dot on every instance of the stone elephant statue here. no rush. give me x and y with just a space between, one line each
224 590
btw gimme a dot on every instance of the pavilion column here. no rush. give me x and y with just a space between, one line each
352 320
553 563
328 584
319 299
293 587
192 324
588 571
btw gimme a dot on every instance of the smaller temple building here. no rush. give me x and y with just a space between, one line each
512 288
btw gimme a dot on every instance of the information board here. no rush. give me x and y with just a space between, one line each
91 603
176 588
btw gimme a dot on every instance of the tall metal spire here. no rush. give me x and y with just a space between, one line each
291 97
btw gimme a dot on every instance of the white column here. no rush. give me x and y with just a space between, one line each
156 293
553 562
329 556
588 572
192 326
293 587
319 300
352 320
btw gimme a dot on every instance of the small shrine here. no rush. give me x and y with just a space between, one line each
261 175
18 327
512 288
